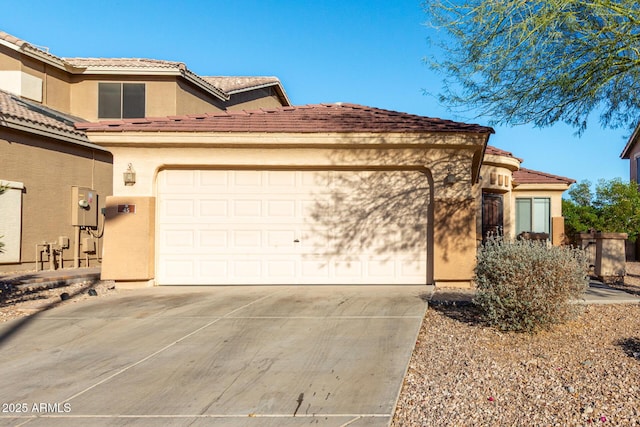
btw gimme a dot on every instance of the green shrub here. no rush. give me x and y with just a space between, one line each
526 286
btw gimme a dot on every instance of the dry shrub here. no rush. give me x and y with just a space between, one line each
526 285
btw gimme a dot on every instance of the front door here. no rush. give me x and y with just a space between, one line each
492 215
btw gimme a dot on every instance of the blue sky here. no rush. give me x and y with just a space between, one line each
365 52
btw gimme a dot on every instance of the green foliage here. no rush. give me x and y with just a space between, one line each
526 286
615 208
540 61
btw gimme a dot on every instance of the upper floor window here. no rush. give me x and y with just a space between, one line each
121 100
533 215
638 170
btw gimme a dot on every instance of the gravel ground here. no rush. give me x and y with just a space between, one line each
23 301
463 373
584 373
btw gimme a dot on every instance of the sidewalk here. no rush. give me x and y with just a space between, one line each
597 293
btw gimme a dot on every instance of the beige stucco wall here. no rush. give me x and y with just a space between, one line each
160 95
633 155
165 96
54 82
48 169
9 59
452 237
190 100
260 98
129 260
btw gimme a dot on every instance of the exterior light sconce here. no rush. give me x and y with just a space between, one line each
450 179
129 176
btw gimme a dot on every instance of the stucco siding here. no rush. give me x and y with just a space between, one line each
48 169
192 101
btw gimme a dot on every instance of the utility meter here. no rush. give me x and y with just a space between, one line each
84 207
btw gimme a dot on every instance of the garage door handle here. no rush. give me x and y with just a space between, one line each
296 241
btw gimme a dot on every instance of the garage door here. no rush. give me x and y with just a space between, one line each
222 227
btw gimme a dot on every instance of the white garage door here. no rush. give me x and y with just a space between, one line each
220 227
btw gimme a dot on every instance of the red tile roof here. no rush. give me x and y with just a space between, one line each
528 176
17 111
298 119
499 152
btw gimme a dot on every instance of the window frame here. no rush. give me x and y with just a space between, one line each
128 110
532 217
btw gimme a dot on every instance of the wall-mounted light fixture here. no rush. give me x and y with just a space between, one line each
450 179
129 176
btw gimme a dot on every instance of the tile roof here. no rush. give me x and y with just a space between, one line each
24 46
17 111
298 119
499 152
123 63
231 84
528 176
142 66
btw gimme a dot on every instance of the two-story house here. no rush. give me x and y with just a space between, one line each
165 177
49 167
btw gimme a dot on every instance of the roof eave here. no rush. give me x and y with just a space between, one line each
557 186
154 71
631 143
278 85
37 129
26 49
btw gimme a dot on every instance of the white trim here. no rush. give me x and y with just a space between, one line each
14 185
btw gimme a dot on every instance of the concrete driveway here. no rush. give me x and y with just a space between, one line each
224 356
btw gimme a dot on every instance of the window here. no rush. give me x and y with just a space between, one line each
533 214
121 100
638 170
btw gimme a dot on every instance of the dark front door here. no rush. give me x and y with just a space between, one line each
492 215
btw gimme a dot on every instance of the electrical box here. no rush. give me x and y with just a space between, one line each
84 207
63 242
88 245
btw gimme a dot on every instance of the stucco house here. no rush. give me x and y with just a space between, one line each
513 200
631 152
315 194
48 167
220 180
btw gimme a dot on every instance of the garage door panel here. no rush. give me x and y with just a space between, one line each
247 180
179 238
209 268
179 180
286 227
210 239
213 209
247 269
281 181
176 207
213 179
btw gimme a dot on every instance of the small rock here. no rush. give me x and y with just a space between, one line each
64 296
570 389
93 292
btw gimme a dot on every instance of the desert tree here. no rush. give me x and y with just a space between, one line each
539 61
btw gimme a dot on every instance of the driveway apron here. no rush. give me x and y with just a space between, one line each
224 356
